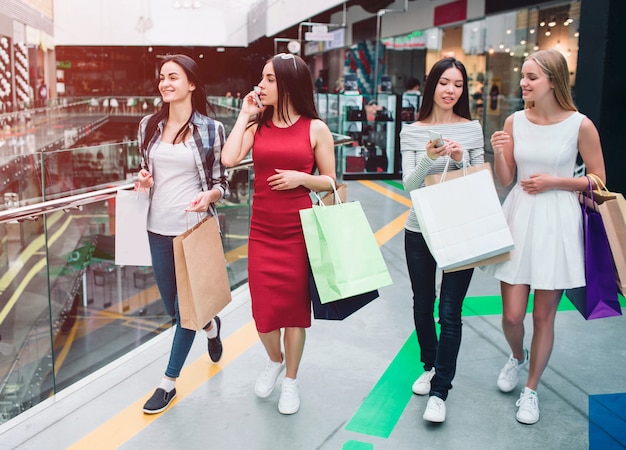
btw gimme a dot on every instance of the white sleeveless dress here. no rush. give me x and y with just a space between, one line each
546 227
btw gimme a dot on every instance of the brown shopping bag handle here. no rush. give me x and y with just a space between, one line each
213 212
599 183
332 183
602 193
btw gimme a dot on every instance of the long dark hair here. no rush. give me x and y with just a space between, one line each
461 108
199 101
295 84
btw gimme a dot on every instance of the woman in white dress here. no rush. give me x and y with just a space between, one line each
542 142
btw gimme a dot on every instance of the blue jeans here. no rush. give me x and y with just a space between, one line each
162 251
440 354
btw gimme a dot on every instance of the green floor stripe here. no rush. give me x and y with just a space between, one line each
490 305
481 306
356 445
395 184
380 411
382 408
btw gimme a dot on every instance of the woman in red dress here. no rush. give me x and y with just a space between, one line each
289 140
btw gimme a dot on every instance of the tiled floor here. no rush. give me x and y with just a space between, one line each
355 380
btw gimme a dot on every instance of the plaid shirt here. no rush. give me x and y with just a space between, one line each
208 140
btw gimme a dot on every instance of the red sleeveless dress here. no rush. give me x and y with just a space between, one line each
277 259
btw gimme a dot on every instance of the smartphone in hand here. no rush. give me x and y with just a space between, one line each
436 138
257 91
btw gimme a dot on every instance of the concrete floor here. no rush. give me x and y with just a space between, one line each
355 381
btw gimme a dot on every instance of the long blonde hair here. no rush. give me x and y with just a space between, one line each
554 65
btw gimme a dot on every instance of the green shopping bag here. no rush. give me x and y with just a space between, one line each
343 253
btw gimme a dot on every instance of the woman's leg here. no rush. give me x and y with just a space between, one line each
294 347
289 401
514 305
266 381
544 313
453 290
421 266
271 342
162 251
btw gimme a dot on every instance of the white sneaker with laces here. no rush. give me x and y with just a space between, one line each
422 384
509 375
435 410
289 401
266 381
528 407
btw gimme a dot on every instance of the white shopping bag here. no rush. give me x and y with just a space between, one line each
131 236
462 220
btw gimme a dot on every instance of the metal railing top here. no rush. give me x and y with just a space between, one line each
33 211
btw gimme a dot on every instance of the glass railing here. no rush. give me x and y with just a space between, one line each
66 309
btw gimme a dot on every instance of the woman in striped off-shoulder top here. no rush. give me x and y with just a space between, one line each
445 109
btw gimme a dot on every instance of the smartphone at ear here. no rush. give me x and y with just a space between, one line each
257 91
436 138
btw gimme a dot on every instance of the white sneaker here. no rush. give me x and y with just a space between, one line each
289 401
509 375
435 410
528 407
266 381
422 384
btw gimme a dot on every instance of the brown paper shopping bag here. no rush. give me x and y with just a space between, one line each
612 208
451 175
201 276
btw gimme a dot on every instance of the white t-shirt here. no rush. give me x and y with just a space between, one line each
176 185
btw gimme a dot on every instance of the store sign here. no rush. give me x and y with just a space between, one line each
64 64
313 48
417 39
318 33
338 41
450 13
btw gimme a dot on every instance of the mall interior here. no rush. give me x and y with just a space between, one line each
83 340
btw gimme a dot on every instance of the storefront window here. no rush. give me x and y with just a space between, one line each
510 38
493 51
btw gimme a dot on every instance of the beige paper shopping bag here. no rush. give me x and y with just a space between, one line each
201 276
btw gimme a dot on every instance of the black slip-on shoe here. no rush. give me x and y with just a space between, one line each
159 401
215 344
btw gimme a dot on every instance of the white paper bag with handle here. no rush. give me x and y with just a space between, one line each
462 220
131 236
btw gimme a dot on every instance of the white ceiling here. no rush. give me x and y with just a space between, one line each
175 22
